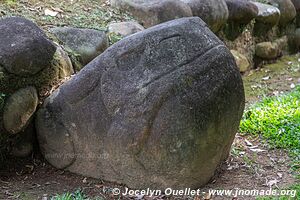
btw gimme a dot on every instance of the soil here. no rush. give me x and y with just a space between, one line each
34 178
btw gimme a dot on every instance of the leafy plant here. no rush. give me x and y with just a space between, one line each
77 195
113 38
277 120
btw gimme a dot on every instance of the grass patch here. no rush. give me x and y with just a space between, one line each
277 120
77 195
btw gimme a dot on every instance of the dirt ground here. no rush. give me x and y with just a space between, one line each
33 178
251 165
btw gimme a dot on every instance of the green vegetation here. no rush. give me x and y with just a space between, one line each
82 13
294 187
77 195
277 120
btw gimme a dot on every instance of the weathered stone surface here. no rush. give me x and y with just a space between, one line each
297 7
125 28
24 48
287 10
64 62
294 40
213 12
267 14
23 144
19 108
241 11
267 50
241 61
150 13
158 109
86 43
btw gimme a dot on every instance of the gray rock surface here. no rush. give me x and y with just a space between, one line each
19 108
213 12
158 109
150 13
241 11
86 43
267 50
125 28
24 48
297 7
241 61
287 10
267 14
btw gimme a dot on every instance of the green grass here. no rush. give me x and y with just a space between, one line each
277 120
77 195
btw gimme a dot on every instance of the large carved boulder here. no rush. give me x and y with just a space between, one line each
158 109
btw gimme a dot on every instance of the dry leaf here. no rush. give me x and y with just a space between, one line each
248 143
51 13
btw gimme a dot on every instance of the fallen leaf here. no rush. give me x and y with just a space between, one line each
292 85
272 182
51 13
257 150
84 180
266 78
248 143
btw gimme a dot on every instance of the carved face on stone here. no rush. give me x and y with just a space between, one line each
162 105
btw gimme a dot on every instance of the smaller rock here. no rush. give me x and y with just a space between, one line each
24 48
125 28
19 108
23 150
150 13
241 61
294 40
241 11
267 14
297 7
22 145
287 10
213 12
267 50
66 67
86 43
282 43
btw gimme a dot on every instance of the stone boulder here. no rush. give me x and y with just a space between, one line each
86 44
267 14
241 61
30 65
150 13
241 11
158 109
213 12
125 28
297 7
24 48
267 50
287 10
19 108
